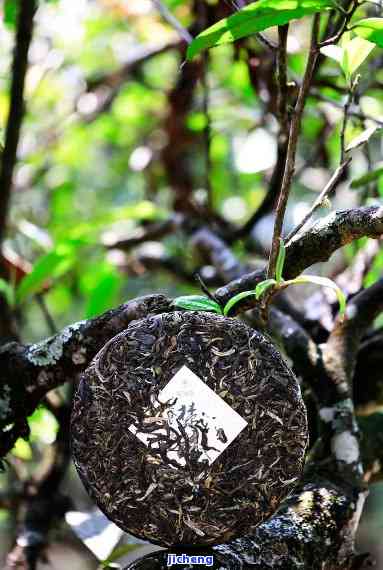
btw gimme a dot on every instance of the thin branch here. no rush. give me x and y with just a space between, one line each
283 32
346 116
292 146
173 21
207 130
330 186
16 110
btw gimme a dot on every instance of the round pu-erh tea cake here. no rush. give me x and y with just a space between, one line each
188 428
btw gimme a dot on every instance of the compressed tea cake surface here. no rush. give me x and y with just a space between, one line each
188 428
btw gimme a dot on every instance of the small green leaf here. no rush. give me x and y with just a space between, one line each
362 138
354 54
333 51
367 178
370 29
263 286
197 303
255 17
51 265
280 261
234 300
22 450
10 13
323 282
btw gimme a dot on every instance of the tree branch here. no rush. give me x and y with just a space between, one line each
38 368
317 244
16 111
292 147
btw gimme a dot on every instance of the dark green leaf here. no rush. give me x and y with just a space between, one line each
280 261
10 12
105 292
370 29
236 299
197 303
254 18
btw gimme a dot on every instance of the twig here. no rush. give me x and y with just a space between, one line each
207 130
292 146
46 313
275 182
16 110
283 32
173 21
351 112
331 184
346 117
348 14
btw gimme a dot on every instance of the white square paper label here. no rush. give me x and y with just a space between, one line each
194 422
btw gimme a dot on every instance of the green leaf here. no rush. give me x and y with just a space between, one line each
362 138
280 261
51 265
8 291
354 54
10 13
334 52
370 29
367 178
103 294
197 303
254 18
263 286
323 282
236 299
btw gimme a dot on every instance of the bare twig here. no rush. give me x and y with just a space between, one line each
16 111
173 21
331 184
207 129
346 116
292 146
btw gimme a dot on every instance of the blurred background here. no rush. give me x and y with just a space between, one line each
117 133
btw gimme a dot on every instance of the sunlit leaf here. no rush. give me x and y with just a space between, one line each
22 450
197 303
254 18
355 53
323 282
333 51
362 138
43 426
370 29
236 299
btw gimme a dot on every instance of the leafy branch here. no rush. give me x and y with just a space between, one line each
270 285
